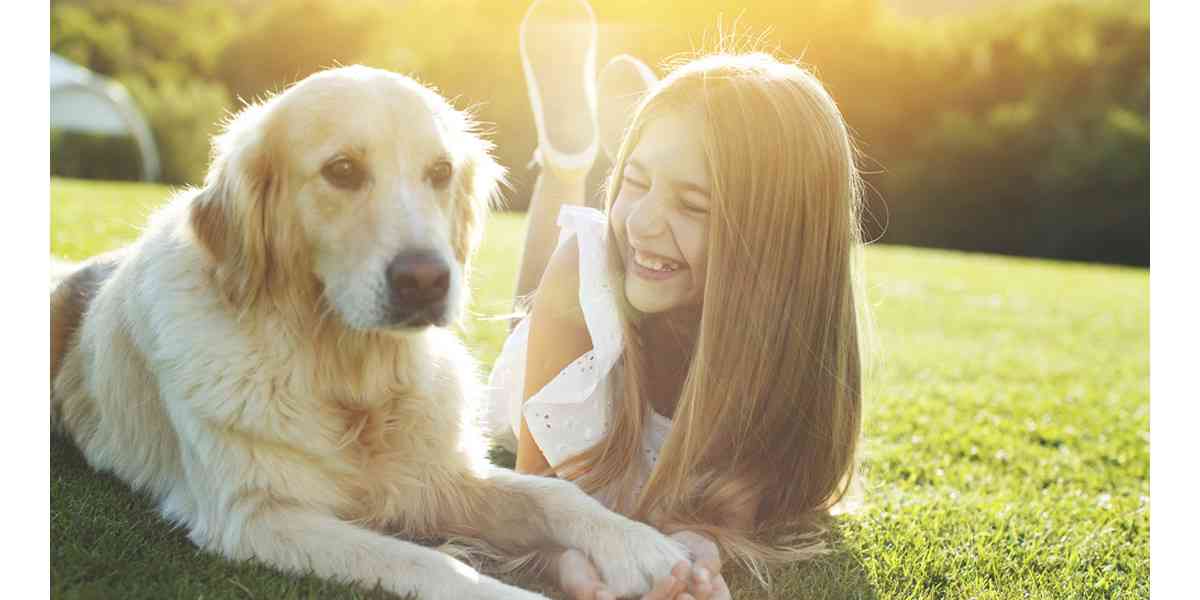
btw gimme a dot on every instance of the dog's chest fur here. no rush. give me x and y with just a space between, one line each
384 467
371 431
399 436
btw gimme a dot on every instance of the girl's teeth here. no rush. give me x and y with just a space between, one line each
654 264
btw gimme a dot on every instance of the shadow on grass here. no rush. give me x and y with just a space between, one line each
837 575
108 542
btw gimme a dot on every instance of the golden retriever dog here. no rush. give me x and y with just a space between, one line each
268 360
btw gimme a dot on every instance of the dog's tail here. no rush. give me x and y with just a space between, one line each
72 287
63 320
60 270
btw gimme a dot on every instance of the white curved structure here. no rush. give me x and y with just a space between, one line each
84 101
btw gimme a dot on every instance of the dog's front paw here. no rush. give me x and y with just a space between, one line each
631 556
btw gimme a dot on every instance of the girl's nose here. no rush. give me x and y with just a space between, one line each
646 218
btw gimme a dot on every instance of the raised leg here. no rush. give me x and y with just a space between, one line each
550 193
558 55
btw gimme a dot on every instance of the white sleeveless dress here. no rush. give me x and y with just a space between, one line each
571 412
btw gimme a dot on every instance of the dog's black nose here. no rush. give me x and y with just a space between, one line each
418 279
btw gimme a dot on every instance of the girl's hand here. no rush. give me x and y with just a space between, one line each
702 580
578 577
673 586
688 583
706 582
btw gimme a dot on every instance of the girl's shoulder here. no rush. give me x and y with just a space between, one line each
557 296
575 280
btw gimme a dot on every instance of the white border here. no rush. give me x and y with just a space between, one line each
24 430
1173 222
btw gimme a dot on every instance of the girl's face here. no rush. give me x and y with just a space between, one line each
660 216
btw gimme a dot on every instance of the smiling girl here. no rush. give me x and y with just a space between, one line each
692 356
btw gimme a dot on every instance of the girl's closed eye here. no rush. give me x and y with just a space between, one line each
635 182
687 205
693 207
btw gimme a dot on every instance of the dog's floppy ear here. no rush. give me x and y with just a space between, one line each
477 191
233 216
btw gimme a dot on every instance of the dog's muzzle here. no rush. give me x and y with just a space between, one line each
418 284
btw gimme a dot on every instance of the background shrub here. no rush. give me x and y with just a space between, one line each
1019 129
92 156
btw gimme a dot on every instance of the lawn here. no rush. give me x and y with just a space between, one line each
1006 450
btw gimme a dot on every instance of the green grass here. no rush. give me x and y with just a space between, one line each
1006 448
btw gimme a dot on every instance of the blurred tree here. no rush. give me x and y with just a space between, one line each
164 53
184 114
1022 128
288 40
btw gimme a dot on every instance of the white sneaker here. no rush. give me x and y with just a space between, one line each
623 83
558 55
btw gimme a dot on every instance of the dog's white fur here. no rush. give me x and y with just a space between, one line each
235 364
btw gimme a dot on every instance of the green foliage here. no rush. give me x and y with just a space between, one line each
165 55
85 37
184 114
1020 130
1042 144
290 39
113 37
1006 436
94 156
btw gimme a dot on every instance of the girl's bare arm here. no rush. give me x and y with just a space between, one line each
557 336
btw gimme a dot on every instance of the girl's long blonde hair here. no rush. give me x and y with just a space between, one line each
768 417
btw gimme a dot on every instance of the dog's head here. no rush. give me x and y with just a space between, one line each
357 192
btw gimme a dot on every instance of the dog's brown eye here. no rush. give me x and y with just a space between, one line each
344 173
440 173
